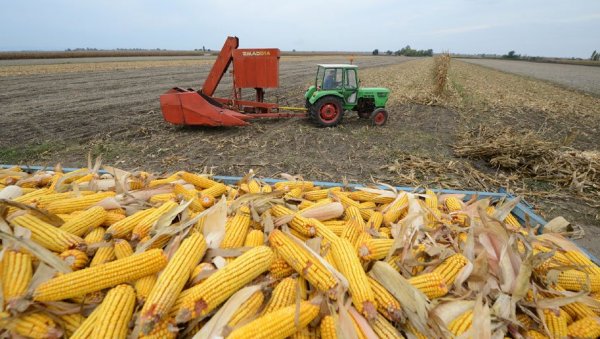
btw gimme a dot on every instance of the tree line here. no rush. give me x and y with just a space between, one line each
407 51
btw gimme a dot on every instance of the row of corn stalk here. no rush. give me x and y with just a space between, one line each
133 254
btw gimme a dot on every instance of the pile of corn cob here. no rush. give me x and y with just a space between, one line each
138 255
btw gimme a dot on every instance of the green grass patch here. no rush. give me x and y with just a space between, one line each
15 155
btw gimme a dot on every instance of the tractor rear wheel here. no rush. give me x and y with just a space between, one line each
379 117
328 111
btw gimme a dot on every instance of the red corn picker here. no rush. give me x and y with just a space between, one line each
336 90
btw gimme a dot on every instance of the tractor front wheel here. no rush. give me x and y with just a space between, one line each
328 111
379 117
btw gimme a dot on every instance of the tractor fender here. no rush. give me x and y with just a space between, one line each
320 94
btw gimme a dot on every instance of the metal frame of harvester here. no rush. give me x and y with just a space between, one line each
256 68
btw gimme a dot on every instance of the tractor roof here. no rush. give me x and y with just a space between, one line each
338 66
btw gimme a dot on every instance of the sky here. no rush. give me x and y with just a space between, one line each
554 28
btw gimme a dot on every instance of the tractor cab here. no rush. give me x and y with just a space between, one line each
337 90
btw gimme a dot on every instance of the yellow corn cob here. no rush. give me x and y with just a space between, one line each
375 221
16 274
334 223
214 191
196 204
461 324
248 309
410 328
582 260
32 196
75 258
159 182
431 284
431 201
303 262
525 320
86 178
123 228
93 298
47 235
372 197
588 327
197 180
103 255
142 229
450 268
171 281
298 223
77 204
206 296
54 180
122 249
328 328
337 228
573 280
556 322
236 229
289 185
319 194
135 184
305 333
100 277
395 210
166 329
71 323
305 204
279 324
36 325
85 221
353 212
95 236
280 268
374 249
294 193
202 267
509 220
578 310
113 217
144 285
115 313
352 231
533 334
87 327
161 198
453 204
266 189
347 262
44 200
253 186
342 197
384 329
394 261
387 304
283 295
254 238
385 232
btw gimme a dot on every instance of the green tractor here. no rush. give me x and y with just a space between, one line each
337 90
